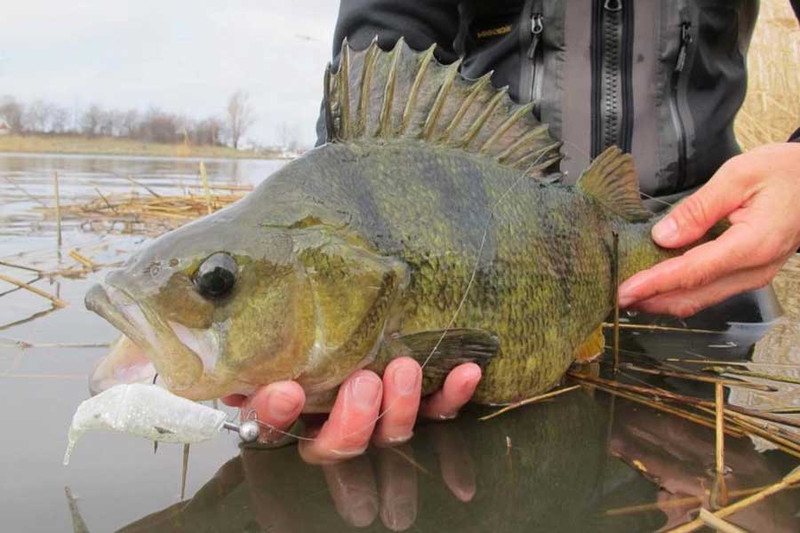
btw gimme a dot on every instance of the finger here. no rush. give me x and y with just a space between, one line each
686 303
270 506
459 386
402 388
398 488
352 488
697 213
234 400
276 406
736 249
458 472
347 431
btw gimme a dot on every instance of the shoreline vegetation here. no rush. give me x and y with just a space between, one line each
81 145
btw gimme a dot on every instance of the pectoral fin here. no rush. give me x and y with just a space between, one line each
439 352
592 348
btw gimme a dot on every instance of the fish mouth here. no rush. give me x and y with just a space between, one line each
163 343
125 363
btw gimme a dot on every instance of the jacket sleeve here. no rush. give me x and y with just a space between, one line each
420 22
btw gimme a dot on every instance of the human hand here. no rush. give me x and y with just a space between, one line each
759 193
354 421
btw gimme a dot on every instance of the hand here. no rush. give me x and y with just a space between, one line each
759 192
354 421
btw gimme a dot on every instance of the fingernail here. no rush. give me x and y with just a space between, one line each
280 405
471 380
405 379
363 513
399 514
364 390
666 230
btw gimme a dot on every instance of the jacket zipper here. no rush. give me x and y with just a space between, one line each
612 117
536 57
677 119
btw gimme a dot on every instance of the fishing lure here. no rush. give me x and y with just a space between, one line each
154 413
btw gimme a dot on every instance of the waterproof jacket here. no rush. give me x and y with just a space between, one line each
661 79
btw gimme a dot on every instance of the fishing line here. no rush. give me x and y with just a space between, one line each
252 415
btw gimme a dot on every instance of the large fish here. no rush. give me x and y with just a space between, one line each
427 226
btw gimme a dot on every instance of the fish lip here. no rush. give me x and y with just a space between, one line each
141 325
99 300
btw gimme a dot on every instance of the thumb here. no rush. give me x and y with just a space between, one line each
694 216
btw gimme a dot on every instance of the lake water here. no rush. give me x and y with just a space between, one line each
581 462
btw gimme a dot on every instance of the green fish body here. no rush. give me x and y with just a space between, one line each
428 226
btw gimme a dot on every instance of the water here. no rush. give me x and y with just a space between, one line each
581 462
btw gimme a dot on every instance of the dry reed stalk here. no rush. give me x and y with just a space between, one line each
528 401
600 384
653 327
790 479
749 373
184 469
206 190
718 524
21 267
25 192
771 109
722 362
719 397
58 208
36 290
139 184
681 502
104 199
85 261
696 377
221 187
615 287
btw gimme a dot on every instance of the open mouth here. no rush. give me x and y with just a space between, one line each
125 363
167 348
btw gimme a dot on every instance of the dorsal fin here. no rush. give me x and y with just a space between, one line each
611 179
378 96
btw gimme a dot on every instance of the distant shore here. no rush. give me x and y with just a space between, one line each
69 144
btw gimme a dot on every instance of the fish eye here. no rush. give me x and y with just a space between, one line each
216 276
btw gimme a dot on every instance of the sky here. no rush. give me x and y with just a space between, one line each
179 55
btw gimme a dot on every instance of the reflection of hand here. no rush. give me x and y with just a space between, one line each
759 192
353 421
363 489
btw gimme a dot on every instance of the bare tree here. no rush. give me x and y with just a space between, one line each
240 116
288 137
58 122
12 111
92 120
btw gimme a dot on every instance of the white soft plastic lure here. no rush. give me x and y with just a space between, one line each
148 411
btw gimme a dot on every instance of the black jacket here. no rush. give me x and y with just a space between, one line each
661 79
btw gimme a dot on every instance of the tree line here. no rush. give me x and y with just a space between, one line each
153 125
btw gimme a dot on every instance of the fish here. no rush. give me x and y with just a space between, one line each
432 224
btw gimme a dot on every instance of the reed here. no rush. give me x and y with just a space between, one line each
771 109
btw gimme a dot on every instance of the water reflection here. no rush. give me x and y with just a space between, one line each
26 181
460 476
566 470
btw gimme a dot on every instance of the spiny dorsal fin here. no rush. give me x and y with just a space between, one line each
378 96
611 179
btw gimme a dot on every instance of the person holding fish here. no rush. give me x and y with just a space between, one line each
459 241
578 65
